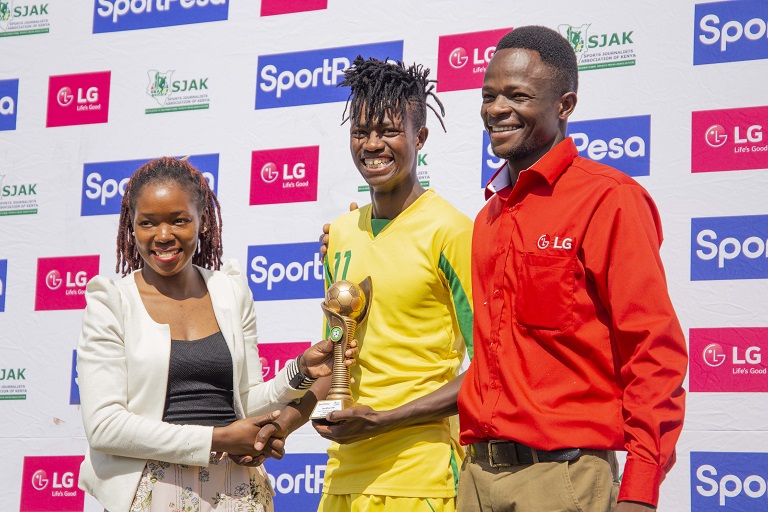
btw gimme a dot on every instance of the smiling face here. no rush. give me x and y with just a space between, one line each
166 224
523 112
385 152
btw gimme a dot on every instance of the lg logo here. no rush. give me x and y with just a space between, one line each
716 135
53 280
458 58
65 97
269 172
558 243
714 355
265 369
40 480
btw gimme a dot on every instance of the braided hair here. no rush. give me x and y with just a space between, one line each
184 174
386 88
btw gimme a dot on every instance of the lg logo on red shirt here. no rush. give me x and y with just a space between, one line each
558 243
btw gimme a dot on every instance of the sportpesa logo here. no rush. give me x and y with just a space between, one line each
9 93
728 481
104 182
729 32
729 248
282 272
621 142
305 78
118 15
3 278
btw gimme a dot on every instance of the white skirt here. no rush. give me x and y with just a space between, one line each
222 486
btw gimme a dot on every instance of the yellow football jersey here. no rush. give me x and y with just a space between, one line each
414 340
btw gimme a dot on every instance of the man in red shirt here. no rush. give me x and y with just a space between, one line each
578 351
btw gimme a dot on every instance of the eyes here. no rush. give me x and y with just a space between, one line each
178 221
514 97
360 133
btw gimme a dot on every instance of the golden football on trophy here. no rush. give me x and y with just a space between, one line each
346 298
345 306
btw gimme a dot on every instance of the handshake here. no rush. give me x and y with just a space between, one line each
252 439
249 441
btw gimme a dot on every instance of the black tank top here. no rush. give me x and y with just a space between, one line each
200 383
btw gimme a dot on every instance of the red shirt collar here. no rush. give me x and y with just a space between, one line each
549 166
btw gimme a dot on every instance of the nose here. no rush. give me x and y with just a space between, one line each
498 106
373 142
163 232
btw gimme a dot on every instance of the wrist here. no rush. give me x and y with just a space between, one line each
298 378
302 364
219 439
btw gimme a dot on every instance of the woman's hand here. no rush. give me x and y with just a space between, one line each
317 360
239 436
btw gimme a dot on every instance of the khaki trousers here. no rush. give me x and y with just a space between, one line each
587 484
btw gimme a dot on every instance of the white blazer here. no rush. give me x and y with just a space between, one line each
122 364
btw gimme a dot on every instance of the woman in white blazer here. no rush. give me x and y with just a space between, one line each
168 366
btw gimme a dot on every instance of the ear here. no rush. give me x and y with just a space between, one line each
567 105
203 223
421 137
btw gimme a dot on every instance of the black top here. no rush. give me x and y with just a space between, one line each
200 383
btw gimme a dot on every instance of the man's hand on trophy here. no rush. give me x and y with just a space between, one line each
353 424
317 360
326 229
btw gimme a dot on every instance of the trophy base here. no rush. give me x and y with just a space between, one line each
323 407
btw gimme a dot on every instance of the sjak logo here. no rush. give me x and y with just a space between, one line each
176 95
159 85
5 11
577 36
23 19
608 50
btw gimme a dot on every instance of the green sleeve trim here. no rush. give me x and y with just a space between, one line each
328 283
455 470
460 303
327 272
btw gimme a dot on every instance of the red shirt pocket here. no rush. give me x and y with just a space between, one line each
545 292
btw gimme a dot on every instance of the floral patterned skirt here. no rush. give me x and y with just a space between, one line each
222 486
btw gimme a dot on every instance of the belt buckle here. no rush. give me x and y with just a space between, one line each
495 464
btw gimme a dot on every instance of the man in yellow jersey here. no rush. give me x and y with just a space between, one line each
397 449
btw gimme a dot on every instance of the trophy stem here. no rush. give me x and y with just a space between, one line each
340 377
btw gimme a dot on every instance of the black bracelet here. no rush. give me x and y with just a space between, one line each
296 379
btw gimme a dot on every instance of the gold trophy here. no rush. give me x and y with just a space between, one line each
346 305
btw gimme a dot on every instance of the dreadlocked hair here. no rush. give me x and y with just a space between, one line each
389 88
184 174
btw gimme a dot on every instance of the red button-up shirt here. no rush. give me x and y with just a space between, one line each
576 341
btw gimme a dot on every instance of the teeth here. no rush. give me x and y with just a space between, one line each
166 254
497 129
376 163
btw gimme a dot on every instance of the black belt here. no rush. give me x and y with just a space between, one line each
509 453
